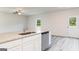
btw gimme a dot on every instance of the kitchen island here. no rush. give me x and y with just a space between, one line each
14 42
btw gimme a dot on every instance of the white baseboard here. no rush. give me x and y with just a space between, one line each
65 36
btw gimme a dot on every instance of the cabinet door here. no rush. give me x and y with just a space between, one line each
28 44
16 48
27 47
37 42
11 44
32 43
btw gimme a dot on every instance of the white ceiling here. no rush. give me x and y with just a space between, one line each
32 10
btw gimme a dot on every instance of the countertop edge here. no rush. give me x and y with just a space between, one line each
19 38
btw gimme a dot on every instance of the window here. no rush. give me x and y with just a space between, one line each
72 21
38 22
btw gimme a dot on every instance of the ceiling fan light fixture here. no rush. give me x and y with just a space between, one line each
19 13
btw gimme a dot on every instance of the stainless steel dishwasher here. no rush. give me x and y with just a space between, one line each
46 40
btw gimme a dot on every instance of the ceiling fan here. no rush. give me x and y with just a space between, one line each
19 12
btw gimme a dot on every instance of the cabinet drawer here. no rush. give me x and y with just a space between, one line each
11 44
34 37
28 42
27 39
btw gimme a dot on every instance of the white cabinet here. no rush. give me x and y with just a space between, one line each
16 48
28 44
37 43
28 47
12 45
32 43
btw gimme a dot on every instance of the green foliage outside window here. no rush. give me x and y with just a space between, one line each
38 22
72 21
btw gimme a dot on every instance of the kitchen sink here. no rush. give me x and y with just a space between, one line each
26 33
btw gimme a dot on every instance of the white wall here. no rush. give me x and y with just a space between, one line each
12 22
57 22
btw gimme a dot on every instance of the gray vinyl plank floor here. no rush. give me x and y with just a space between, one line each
64 44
